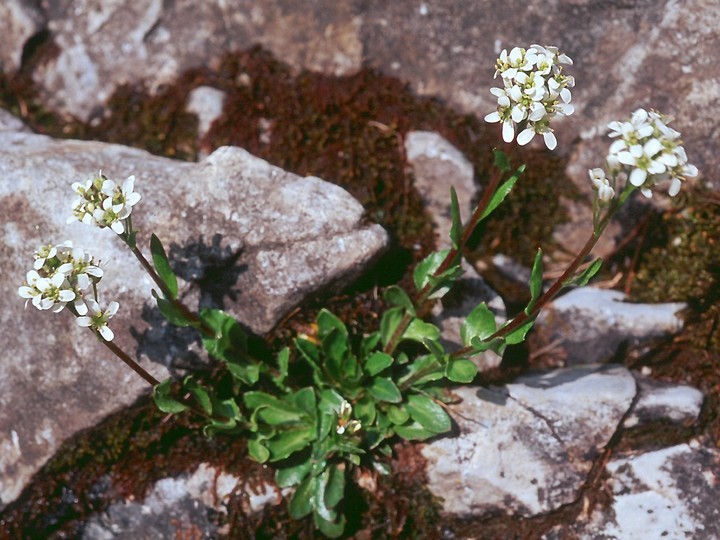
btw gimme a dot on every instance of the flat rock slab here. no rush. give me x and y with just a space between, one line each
590 324
248 237
526 448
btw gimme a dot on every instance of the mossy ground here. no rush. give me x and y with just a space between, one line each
349 131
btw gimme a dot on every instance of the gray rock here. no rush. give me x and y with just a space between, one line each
590 324
207 103
437 165
664 402
103 44
671 493
178 504
19 21
243 235
526 448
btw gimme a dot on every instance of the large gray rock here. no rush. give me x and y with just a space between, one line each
590 324
245 235
670 493
526 448
104 44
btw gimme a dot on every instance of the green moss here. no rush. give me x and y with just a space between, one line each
680 259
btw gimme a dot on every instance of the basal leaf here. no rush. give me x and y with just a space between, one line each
377 362
428 414
461 371
384 389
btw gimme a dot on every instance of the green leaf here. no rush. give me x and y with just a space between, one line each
163 400
456 229
414 431
518 335
480 323
398 414
427 368
377 362
248 373
283 361
428 414
369 343
330 528
227 408
398 297
461 371
501 160
162 266
389 322
309 351
199 393
419 330
230 341
335 489
586 275
384 389
226 425
257 451
427 268
502 192
328 322
365 410
301 502
535 281
292 476
290 440
171 312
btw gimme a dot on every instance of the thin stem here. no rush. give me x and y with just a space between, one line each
422 296
189 315
122 355
559 283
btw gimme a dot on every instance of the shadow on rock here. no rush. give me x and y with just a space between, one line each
212 272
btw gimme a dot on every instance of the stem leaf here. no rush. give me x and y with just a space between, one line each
162 266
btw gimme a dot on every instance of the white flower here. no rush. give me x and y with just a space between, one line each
345 424
103 203
534 92
60 274
649 151
602 184
47 293
98 319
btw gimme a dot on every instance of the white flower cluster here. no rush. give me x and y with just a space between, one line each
651 149
534 92
60 275
103 202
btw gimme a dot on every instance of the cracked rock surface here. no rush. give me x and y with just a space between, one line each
526 448
244 236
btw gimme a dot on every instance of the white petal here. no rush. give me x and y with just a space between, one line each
84 321
26 292
525 136
112 309
493 117
674 187
637 177
647 192
106 333
550 140
118 227
652 147
80 307
66 295
508 131
94 306
518 114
